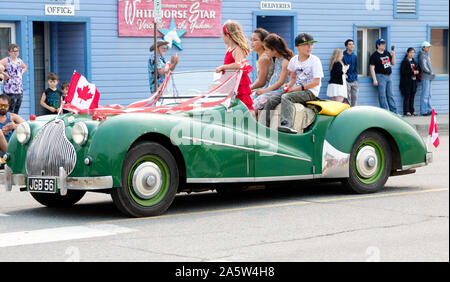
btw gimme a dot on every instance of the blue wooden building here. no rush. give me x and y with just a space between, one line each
85 37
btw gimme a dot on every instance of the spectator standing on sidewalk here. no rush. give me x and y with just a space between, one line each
381 62
408 81
337 88
12 68
427 76
351 60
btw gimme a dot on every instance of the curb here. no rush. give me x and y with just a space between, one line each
422 123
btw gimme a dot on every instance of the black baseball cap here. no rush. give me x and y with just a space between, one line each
304 38
380 41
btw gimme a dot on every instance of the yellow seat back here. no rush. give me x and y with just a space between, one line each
330 108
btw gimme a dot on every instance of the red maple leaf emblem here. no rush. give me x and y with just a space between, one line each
84 94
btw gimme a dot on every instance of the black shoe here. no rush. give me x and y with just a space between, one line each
427 114
286 127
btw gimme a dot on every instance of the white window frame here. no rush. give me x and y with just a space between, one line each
12 26
364 48
448 39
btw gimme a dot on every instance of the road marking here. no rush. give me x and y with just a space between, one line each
296 203
2 214
59 234
380 195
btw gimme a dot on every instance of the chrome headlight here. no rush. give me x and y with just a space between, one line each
23 132
80 133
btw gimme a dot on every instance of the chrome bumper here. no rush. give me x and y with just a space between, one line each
64 183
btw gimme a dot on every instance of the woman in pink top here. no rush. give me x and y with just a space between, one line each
12 69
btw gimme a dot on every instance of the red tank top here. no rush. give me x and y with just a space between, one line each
244 90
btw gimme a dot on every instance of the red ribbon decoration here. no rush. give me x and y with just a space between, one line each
225 30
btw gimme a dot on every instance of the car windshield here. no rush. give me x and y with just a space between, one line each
180 92
207 85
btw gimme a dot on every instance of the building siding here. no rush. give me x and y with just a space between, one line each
118 65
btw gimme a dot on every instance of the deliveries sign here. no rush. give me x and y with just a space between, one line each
200 18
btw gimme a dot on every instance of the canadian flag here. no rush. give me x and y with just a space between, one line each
81 95
433 132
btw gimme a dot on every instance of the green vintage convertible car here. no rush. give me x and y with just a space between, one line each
146 153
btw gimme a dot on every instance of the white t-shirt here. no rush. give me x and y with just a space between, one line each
306 71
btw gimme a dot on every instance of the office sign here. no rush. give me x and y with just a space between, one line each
59 10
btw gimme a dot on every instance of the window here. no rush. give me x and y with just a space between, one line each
405 9
7 36
366 46
439 51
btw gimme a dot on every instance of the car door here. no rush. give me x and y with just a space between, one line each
282 156
219 149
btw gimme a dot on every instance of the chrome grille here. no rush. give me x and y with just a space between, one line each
50 150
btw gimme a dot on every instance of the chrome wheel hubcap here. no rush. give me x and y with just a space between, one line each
367 162
147 180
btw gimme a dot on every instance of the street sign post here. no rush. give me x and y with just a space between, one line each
157 17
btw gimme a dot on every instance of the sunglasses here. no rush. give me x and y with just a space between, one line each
4 106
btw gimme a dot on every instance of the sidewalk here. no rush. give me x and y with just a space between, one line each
422 123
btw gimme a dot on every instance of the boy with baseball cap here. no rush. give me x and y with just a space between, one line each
304 85
380 65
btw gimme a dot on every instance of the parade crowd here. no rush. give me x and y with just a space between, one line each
287 79
282 77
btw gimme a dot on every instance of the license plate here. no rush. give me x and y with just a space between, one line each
42 184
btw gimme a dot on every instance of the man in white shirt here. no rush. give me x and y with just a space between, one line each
304 85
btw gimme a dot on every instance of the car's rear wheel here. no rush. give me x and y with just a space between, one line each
370 163
150 180
56 200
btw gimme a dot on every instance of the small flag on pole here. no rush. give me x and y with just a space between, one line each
433 132
82 94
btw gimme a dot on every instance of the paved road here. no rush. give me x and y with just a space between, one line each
407 221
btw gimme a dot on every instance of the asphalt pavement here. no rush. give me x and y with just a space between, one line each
406 221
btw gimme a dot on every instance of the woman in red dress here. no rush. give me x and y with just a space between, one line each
237 50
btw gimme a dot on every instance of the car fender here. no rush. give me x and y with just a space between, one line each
115 136
347 126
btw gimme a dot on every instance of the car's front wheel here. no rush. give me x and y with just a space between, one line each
370 163
150 180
